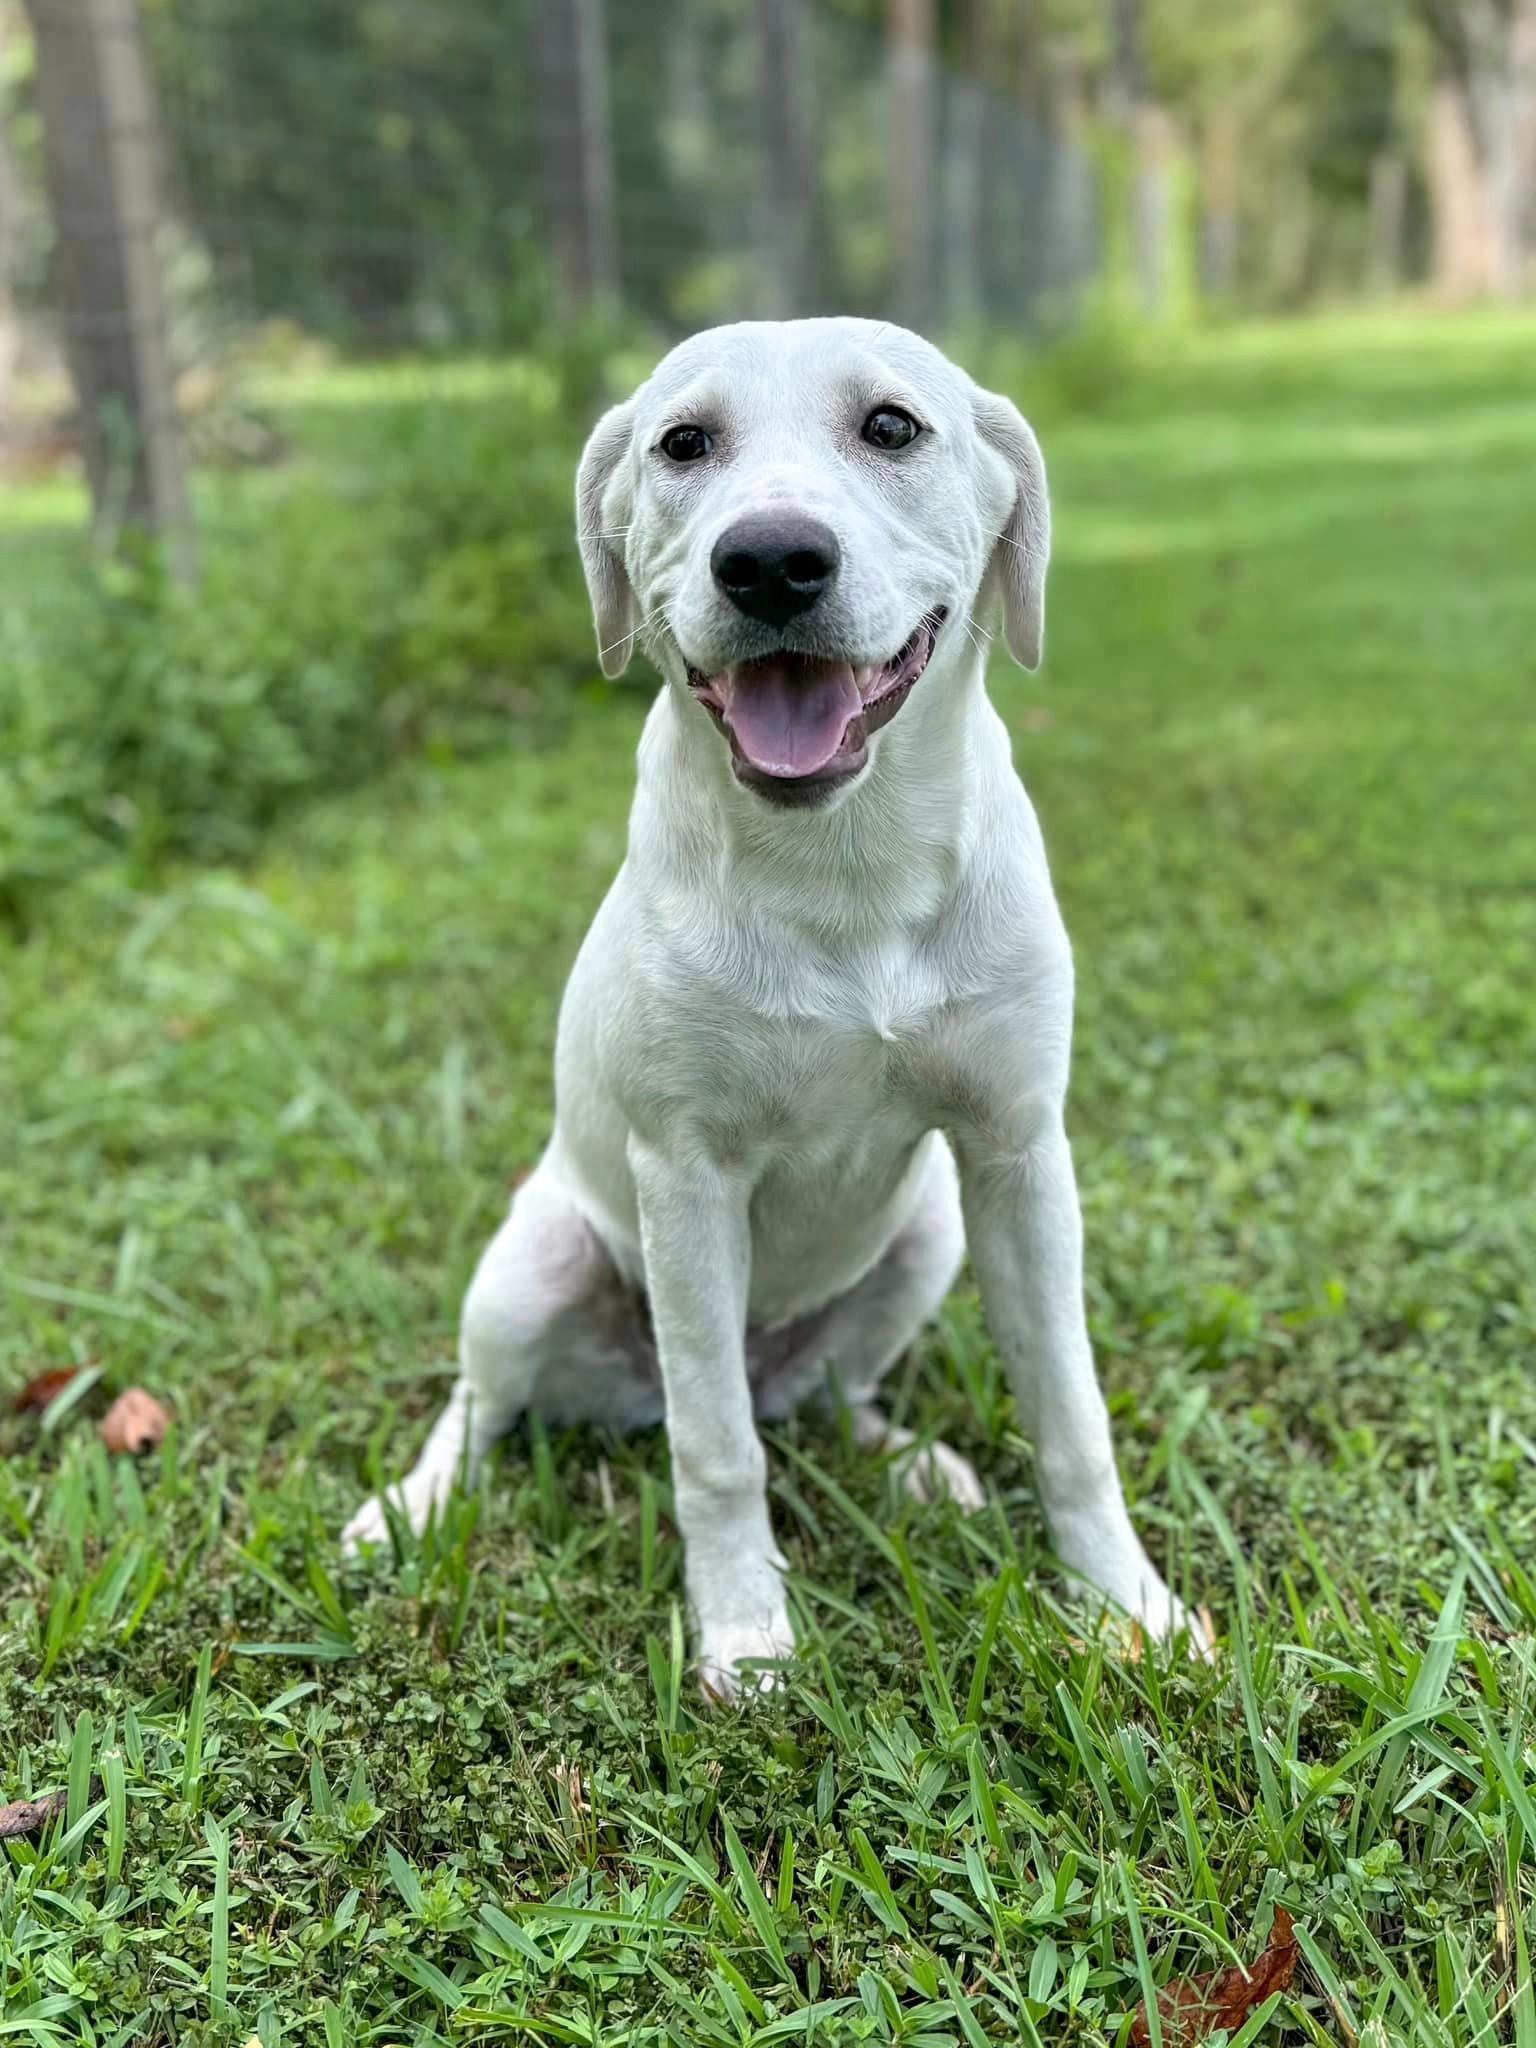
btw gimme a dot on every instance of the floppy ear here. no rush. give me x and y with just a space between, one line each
598 512
1017 568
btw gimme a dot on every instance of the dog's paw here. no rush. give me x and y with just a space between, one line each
413 1499
1160 1614
1148 1610
1105 1558
928 1472
935 1472
369 1526
1196 1627
725 1651
366 1527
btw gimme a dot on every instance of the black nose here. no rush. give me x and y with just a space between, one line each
774 567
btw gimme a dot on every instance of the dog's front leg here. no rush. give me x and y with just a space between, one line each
1026 1238
696 1242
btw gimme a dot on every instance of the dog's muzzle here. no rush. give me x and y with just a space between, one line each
799 725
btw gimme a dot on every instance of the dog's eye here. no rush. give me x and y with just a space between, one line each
685 444
887 427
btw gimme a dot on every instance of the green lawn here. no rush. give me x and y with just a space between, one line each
258 1123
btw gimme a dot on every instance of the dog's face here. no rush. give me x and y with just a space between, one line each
793 518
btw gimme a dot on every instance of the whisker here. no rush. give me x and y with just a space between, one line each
629 638
978 635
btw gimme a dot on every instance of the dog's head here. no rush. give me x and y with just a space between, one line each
796 518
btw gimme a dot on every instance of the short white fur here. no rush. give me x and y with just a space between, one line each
805 1056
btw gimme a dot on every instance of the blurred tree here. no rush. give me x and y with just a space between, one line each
1349 72
1149 134
1480 116
576 149
788 198
100 145
963 163
14 223
910 128
1305 114
1223 70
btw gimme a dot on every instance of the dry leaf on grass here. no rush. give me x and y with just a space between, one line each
29 1816
39 1392
135 1422
1193 2008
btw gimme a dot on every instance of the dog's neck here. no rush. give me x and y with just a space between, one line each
888 853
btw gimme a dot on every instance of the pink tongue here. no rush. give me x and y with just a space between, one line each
788 715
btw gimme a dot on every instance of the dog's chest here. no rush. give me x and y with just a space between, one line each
822 1061
878 997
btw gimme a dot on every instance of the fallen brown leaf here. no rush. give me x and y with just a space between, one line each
37 1393
568 1778
135 1422
1193 2008
29 1816
1066 1647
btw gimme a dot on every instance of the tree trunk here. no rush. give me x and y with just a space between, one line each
1386 212
1476 138
1493 108
576 149
1523 75
1290 238
911 170
99 157
964 159
1070 228
1150 133
1152 208
1465 257
988 269
787 188
13 221
1220 157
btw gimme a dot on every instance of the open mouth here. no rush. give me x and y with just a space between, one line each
798 724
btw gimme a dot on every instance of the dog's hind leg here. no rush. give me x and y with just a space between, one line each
865 1333
930 1470
534 1281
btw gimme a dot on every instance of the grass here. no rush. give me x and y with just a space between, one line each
259 1123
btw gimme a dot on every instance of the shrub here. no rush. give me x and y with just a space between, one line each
409 572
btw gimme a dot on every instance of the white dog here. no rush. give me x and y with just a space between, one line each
830 973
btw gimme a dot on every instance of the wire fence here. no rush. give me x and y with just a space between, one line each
480 177
696 161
